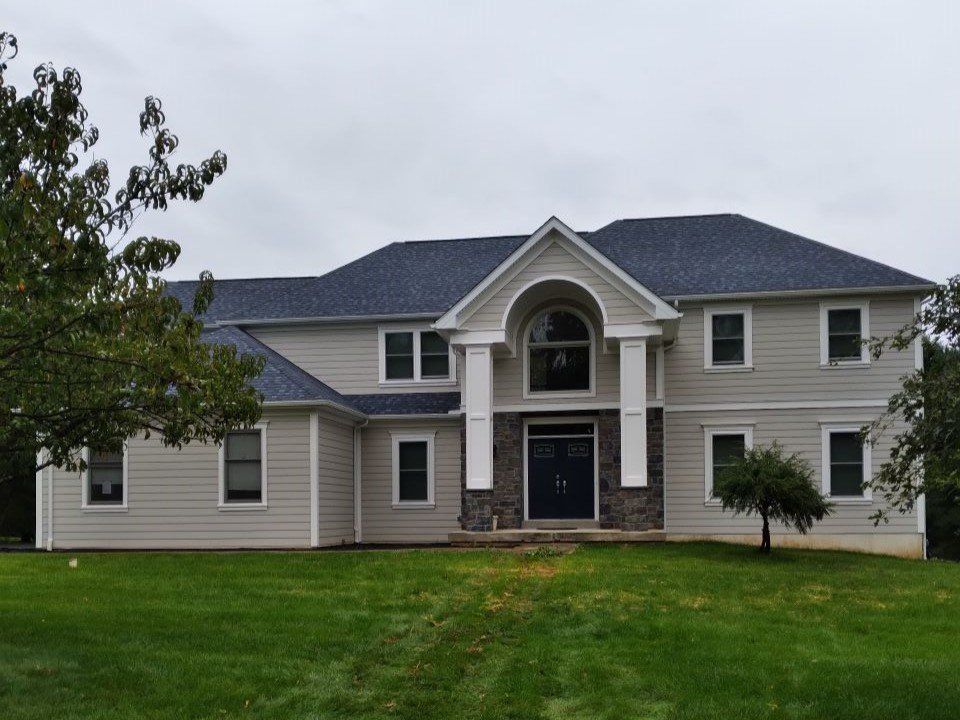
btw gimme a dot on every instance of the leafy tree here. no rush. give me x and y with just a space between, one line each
777 488
926 454
92 347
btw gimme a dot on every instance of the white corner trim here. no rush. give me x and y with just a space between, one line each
38 502
844 426
222 503
745 429
417 380
357 484
660 375
86 506
314 479
529 394
397 437
825 308
451 319
708 313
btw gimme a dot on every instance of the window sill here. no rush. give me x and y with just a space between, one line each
417 383
728 369
840 365
241 507
559 395
414 506
851 500
104 508
712 503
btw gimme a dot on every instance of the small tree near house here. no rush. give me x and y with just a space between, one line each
774 487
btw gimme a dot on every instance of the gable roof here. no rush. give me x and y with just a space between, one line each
673 257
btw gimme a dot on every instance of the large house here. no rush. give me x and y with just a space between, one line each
565 381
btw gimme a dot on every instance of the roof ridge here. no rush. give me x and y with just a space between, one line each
678 217
476 237
248 279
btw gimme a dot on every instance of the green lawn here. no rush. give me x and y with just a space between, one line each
673 631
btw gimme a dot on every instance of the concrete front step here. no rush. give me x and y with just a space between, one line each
532 535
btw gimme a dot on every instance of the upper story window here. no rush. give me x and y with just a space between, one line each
844 328
846 464
559 353
728 338
106 479
243 468
413 355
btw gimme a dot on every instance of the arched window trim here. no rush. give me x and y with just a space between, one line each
592 342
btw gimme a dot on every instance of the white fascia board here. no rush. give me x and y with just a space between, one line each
878 290
292 404
662 309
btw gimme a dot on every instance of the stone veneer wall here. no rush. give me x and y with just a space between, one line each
623 508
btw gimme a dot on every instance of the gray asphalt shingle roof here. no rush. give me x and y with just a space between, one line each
428 403
673 256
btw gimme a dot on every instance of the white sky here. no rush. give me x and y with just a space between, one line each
349 125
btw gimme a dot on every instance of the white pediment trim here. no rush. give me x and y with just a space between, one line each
593 258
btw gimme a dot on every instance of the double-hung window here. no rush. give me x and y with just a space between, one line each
844 328
105 484
846 464
728 338
243 468
723 446
413 469
414 356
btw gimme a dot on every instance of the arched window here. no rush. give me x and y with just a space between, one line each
559 353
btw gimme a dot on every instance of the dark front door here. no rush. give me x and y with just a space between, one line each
560 472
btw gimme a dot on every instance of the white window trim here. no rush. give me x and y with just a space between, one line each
85 504
864 308
417 379
395 439
708 432
529 394
708 313
827 429
222 504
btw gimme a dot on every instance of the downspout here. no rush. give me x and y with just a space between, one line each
50 508
38 507
357 468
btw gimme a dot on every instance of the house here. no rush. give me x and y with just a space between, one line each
561 379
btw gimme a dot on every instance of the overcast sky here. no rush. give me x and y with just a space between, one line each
353 124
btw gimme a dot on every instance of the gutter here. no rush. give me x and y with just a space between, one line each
881 289
328 319
295 404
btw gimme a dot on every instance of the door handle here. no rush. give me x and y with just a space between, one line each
564 487
558 487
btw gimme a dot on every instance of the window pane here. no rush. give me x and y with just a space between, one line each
843 321
400 367
728 448
413 455
728 326
844 347
435 366
846 447
243 445
399 343
559 369
99 457
845 479
106 485
243 481
413 485
558 326
728 352
431 342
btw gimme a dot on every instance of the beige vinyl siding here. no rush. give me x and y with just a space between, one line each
346 357
556 260
508 382
335 496
173 495
786 358
382 523
797 431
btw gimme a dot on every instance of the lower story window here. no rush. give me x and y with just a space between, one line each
104 484
413 480
243 480
846 463
723 446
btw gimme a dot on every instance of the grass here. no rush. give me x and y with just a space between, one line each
672 631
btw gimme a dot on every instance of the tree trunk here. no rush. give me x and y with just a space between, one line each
765 542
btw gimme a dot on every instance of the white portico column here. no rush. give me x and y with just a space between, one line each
479 413
633 412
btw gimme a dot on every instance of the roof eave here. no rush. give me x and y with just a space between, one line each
299 404
814 292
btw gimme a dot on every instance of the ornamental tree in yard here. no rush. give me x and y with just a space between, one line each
774 487
925 455
92 348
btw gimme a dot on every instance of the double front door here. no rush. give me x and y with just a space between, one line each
560 471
